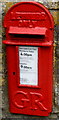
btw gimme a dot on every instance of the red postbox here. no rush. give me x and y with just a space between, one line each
29 48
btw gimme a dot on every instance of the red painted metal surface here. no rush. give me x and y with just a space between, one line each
29 24
27 31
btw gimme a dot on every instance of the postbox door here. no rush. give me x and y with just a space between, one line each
31 79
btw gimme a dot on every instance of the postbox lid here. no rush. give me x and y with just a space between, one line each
28 14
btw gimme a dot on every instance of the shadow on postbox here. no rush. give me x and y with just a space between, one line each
29 48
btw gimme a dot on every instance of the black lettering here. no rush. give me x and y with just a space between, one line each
26 54
27 67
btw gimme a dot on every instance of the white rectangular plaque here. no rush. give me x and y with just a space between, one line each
28 64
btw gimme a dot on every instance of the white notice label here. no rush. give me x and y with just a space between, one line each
28 64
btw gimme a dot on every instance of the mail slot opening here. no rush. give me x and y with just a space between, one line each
27 36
